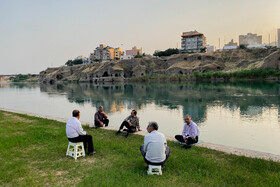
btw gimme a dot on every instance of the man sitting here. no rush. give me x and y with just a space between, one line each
190 132
75 132
154 150
131 123
101 118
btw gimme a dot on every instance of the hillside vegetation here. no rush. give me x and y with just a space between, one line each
256 63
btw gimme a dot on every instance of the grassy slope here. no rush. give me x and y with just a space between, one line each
33 153
253 74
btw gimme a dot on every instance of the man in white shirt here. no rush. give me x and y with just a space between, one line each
76 133
154 150
190 132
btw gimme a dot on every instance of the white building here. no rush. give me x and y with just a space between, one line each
193 41
210 48
231 45
258 45
126 57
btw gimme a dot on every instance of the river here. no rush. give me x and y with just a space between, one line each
244 115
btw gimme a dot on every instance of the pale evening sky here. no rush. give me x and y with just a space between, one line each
36 34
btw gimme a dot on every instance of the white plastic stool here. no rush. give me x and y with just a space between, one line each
154 170
75 150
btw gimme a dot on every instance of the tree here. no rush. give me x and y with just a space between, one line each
69 63
74 62
167 52
242 46
138 55
203 50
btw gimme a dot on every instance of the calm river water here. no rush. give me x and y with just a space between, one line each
244 115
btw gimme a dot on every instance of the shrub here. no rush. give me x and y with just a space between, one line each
167 52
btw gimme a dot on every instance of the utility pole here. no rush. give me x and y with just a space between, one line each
275 38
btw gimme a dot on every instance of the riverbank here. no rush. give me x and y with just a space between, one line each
239 63
217 147
33 153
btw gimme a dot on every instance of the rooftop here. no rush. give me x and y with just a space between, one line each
191 33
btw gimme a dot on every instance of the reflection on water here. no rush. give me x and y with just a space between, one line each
237 114
249 98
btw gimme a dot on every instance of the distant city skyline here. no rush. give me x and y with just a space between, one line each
35 35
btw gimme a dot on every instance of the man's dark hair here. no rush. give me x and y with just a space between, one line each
75 113
134 111
154 125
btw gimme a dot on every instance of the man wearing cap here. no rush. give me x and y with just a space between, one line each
154 150
101 118
131 123
76 133
190 132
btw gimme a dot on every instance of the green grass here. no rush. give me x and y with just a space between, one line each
24 78
242 74
160 77
33 154
253 74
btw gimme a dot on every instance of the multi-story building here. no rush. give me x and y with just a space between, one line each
193 41
250 39
278 33
118 53
134 51
104 52
230 45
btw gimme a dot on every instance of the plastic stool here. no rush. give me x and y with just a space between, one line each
75 150
154 170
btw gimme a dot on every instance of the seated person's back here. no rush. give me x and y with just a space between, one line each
154 150
154 146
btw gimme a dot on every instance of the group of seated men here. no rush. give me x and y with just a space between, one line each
154 150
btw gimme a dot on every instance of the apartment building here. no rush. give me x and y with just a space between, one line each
118 53
193 41
104 53
134 51
250 39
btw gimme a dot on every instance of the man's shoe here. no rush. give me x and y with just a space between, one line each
118 132
126 135
187 146
91 153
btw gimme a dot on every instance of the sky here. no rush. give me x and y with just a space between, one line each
37 34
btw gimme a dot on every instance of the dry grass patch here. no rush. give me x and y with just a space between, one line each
21 119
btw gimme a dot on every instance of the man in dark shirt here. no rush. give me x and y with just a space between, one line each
131 123
101 118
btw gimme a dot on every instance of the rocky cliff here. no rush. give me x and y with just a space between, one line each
182 64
